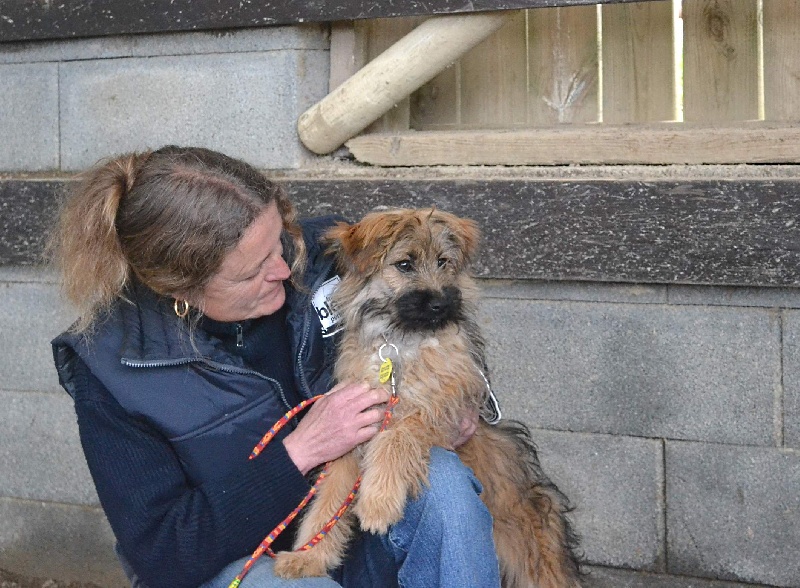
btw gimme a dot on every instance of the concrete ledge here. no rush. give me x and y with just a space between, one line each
733 512
698 373
615 485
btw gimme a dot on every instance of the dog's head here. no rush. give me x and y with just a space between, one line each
409 266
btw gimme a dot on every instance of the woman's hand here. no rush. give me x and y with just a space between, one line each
346 416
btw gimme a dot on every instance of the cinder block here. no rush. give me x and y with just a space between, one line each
608 578
615 485
308 36
40 451
245 105
733 513
791 378
31 314
574 291
46 540
697 373
733 296
29 117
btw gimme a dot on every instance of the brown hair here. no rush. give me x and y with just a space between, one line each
168 217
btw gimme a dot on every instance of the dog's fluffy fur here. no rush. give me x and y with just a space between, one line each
407 282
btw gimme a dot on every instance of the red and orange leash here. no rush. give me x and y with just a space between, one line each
386 375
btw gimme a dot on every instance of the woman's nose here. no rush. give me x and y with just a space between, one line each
279 271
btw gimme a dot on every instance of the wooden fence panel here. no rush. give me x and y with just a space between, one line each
563 65
494 79
720 60
375 36
638 62
782 59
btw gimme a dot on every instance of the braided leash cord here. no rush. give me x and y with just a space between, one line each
264 547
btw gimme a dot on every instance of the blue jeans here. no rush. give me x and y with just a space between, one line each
443 541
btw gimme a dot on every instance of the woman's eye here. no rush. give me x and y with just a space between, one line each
442 261
404 266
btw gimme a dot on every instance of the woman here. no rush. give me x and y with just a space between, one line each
194 284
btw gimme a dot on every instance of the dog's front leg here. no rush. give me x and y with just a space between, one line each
394 467
328 553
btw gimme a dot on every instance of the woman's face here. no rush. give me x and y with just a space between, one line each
250 282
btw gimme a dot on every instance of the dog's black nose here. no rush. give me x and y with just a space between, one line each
435 305
429 309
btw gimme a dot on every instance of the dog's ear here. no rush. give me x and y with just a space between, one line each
468 235
355 246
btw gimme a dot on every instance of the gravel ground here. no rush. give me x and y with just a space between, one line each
9 580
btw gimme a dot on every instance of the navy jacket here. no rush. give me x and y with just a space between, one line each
168 418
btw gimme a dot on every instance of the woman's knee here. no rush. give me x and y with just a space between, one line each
449 476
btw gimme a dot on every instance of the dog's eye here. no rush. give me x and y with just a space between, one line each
404 266
442 261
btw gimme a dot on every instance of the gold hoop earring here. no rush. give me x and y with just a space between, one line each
181 308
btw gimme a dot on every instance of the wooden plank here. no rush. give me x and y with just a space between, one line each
345 59
377 36
567 144
720 60
437 104
689 230
638 63
25 20
494 79
562 47
665 231
781 59
392 76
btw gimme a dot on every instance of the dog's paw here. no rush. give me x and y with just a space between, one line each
377 515
299 564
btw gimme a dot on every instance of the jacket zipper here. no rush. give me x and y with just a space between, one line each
239 336
216 365
306 330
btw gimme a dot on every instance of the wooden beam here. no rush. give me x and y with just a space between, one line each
685 228
601 144
392 76
26 20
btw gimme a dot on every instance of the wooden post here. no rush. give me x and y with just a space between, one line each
392 76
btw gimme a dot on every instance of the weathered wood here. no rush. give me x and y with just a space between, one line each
376 36
563 65
393 76
736 232
494 79
24 20
781 60
565 145
638 63
720 60
344 53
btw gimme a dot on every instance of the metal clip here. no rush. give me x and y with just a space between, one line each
386 364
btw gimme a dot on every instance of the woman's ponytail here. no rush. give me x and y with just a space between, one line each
85 244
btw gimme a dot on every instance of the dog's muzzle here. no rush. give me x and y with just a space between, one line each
429 309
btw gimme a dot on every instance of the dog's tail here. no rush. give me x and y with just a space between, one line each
535 541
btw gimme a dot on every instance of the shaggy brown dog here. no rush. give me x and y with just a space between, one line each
407 284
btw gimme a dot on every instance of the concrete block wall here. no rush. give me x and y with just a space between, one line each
67 104
669 414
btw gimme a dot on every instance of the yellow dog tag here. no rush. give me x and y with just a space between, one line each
386 371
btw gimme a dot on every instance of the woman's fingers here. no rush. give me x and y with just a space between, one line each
348 415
